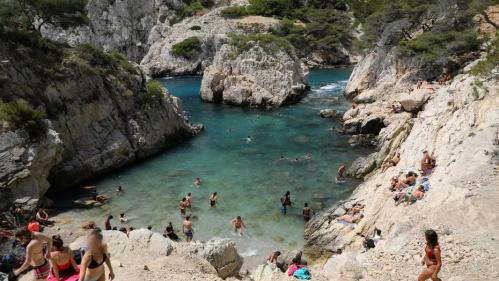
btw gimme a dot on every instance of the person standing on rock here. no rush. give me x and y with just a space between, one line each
187 229
92 264
36 257
285 202
107 223
432 257
306 212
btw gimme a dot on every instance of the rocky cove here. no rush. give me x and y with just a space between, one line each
398 107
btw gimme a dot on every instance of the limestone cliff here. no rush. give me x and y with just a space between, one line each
256 77
457 122
98 113
119 25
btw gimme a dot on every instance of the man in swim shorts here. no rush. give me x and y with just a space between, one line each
36 258
285 202
187 229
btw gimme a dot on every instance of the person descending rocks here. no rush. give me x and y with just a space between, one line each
431 258
285 202
36 258
238 225
339 174
187 229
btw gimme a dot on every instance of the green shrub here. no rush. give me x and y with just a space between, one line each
234 12
268 42
154 92
122 61
486 66
94 55
20 115
195 27
188 48
194 6
435 45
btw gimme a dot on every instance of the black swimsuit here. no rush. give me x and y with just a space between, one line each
94 264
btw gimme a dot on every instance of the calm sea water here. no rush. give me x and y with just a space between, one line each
247 176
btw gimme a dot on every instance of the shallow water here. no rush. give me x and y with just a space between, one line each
247 176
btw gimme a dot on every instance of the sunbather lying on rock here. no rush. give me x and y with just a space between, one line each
391 163
350 218
410 179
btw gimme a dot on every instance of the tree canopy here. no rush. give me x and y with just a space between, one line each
32 15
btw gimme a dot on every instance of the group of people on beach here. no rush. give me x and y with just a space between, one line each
47 258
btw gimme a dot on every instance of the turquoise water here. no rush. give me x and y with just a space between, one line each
247 176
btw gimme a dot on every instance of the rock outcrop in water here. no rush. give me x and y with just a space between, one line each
98 112
258 77
458 124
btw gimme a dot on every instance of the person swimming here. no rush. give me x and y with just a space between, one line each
187 229
213 200
197 182
238 224
119 190
248 139
307 157
123 219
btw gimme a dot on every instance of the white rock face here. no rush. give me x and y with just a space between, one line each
220 253
25 165
255 77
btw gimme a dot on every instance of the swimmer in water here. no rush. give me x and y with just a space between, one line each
332 129
307 157
213 200
182 206
119 190
306 212
238 225
197 182
282 158
248 139
123 219
189 200
296 160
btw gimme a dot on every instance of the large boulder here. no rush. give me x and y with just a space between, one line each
414 102
220 253
262 77
328 113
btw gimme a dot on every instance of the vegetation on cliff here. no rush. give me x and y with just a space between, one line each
188 48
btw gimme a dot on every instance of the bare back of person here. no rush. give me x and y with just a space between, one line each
37 252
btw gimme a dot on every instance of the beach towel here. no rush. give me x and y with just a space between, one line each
352 225
293 268
302 274
73 277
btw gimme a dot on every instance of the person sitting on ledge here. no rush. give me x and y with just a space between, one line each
391 163
42 217
273 257
339 174
428 163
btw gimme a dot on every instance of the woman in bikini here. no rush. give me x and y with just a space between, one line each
63 265
432 257
92 264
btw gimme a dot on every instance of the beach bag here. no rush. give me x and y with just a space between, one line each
302 274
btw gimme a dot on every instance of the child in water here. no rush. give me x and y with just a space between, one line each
238 225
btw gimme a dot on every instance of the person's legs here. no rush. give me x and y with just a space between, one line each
425 275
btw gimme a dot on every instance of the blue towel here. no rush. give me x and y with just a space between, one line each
302 274
426 185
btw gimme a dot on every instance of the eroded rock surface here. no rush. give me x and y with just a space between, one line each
256 77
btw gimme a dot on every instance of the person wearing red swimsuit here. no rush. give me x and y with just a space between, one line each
432 257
